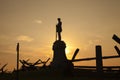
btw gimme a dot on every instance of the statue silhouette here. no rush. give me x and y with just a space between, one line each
59 29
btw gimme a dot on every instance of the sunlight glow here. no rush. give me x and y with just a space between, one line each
67 51
24 38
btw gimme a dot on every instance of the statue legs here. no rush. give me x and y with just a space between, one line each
59 36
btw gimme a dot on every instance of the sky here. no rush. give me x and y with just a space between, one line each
85 23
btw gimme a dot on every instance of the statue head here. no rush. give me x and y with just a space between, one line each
58 19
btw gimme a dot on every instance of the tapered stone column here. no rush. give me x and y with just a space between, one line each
59 57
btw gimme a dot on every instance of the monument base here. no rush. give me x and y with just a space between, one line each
60 61
59 56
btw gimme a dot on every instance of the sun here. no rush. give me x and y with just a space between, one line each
67 51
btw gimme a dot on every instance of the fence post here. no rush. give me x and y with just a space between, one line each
99 63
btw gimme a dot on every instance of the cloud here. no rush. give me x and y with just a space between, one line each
38 21
4 37
24 38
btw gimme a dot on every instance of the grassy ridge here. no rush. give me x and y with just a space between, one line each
47 74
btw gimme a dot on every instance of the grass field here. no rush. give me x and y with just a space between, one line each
46 74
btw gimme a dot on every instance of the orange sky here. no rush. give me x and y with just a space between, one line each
86 23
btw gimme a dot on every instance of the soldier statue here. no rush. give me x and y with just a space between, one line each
59 29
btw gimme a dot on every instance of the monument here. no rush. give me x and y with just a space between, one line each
59 61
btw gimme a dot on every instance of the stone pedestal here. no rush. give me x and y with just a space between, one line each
59 57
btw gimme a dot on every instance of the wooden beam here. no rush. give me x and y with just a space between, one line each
117 49
75 53
88 59
116 38
95 66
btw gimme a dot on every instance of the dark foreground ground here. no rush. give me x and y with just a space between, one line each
46 74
